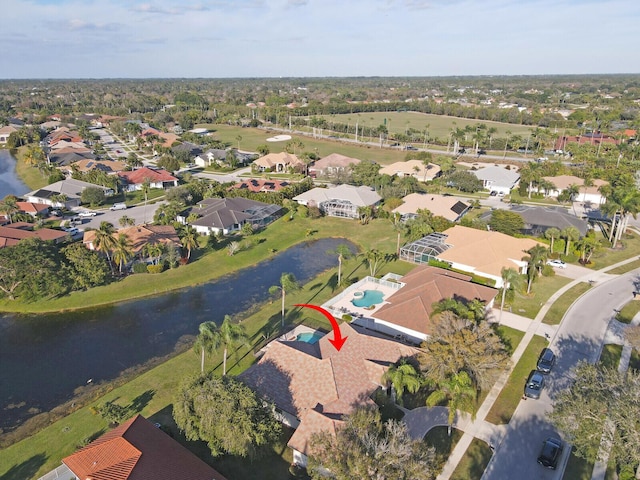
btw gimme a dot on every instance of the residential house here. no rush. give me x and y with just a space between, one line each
166 140
446 206
314 385
260 185
497 179
34 209
157 178
225 215
137 450
412 168
5 132
478 252
408 311
190 148
140 236
564 142
586 194
70 188
86 165
278 162
12 233
210 157
340 201
538 220
332 165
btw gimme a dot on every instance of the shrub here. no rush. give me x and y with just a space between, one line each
155 268
140 267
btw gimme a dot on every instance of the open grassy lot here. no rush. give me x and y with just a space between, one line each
528 305
474 462
561 305
511 394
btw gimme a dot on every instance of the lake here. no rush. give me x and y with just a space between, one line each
44 358
10 183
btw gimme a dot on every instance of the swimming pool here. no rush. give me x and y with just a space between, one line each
370 297
309 337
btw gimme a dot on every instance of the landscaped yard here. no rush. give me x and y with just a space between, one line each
528 305
561 305
474 461
444 444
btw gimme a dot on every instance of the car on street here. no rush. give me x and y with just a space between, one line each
551 452
72 231
87 213
534 385
557 263
118 206
493 193
546 361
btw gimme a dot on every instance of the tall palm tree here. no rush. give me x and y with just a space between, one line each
460 392
510 279
206 341
343 253
569 234
551 234
288 283
373 258
403 376
9 206
104 240
231 334
122 250
535 260
189 239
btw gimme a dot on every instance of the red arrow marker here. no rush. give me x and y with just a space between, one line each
337 341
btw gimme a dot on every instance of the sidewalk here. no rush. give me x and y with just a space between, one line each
477 427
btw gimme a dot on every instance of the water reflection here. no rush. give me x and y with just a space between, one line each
10 183
43 358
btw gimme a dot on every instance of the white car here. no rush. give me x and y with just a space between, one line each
87 213
557 263
72 231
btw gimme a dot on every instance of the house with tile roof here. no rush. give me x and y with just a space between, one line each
314 385
88 164
225 215
413 168
538 220
497 179
157 178
140 236
260 185
586 194
408 311
138 450
339 201
446 206
278 162
5 132
34 209
12 233
332 165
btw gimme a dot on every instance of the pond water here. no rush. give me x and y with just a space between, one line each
44 358
10 184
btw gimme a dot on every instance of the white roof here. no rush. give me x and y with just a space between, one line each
360 196
497 175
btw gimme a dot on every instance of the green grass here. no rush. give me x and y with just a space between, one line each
629 311
510 337
625 268
511 394
29 175
528 305
474 462
610 355
578 468
555 314
634 361
444 444
629 247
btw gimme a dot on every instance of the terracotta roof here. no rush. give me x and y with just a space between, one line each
445 206
137 450
138 176
562 182
487 252
412 305
334 160
261 185
312 422
409 167
29 207
12 233
283 158
299 377
140 235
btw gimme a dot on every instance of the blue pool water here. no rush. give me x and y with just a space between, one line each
309 337
370 297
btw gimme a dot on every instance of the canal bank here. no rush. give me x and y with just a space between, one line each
10 182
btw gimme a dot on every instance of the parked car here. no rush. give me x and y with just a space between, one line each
493 193
56 213
534 385
556 262
546 361
87 213
118 206
72 231
551 452
482 152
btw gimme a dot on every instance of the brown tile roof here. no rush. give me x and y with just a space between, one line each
412 305
438 205
312 422
33 208
12 233
334 160
283 158
261 185
137 450
300 377
140 235
138 176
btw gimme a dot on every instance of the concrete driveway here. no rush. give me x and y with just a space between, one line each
140 214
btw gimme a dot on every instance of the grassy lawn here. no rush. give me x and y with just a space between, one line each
578 468
474 462
444 444
629 247
528 305
610 356
510 337
30 175
511 394
628 311
561 305
625 268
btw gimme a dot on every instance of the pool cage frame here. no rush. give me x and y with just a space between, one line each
425 249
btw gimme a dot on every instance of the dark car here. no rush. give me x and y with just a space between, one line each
546 361
482 152
550 453
534 385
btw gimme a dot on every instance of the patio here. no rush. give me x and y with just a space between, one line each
343 305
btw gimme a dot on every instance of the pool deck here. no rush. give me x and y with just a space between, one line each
288 337
344 306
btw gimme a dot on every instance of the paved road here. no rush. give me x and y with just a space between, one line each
579 337
140 214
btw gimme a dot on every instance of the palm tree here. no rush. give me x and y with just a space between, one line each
189 239
510 279
104 240
461 393
569 234
154 251
9 206
535 261
587 245
288 283
122 250
343 253
403 376
231 334
551 234
207 340
373 257
126 221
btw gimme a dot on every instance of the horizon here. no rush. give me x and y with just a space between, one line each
244 39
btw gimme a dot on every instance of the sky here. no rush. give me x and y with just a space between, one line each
316 38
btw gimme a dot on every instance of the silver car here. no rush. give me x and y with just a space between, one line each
534 385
